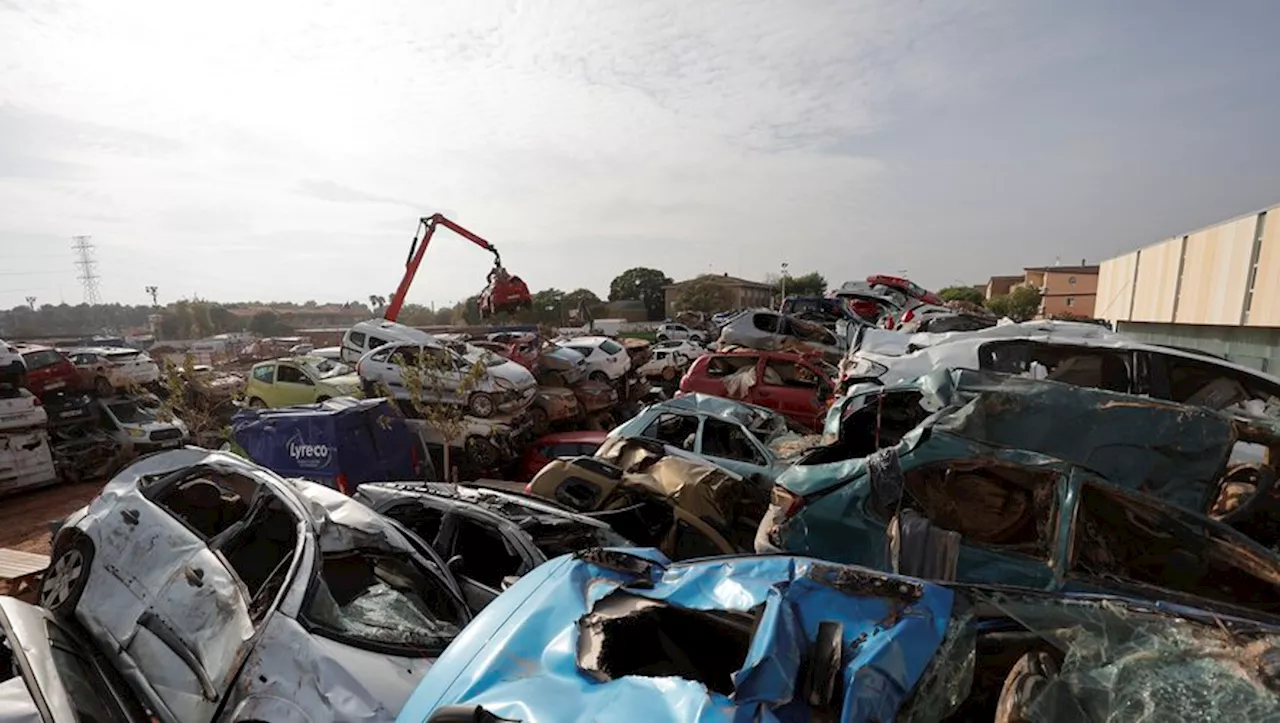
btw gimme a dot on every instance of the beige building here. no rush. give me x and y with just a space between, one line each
744 294
1001 285
1215 289
1064 289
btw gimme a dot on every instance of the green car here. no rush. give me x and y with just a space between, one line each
298 380
987 478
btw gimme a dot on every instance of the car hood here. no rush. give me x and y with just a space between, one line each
555 624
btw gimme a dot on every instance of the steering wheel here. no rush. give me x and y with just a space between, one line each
1265 479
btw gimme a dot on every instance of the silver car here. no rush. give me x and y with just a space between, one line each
223 592
505 387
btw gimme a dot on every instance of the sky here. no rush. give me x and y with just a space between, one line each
283 151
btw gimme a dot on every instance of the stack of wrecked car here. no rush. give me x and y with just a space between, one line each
970 476
770 331
612 635
659 496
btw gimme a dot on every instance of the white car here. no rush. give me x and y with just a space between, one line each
332 353
670 359
136 425
12 367
677 332
106 369
505 387
365 336
1086 355
607 360
19 409
223 592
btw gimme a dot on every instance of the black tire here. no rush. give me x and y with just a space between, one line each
541 422
102 387
256 403
598 376
1026 680
66 578
481 404
481 453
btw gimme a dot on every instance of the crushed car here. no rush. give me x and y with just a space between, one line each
753 441
500 387
798 386
139 425
486 444
553 405
488 536
622 635
989 490
658 496
770 331
108 369
219 589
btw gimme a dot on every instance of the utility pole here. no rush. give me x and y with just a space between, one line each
31 301
88 268
782 300
152 291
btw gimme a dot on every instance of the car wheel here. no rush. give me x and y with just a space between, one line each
1026 680
480 405
257 403
599 377
669 374
541 422
66 578
481 452
102 387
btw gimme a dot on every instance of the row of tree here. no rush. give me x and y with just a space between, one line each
1020 304
196 318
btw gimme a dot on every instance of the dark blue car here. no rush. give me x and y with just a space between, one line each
340 442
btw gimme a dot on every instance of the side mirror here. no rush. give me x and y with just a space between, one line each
454 564
508 581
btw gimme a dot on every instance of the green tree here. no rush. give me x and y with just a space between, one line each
706 294
416 315
549 307
267 323
642 284
1021 304
961 293
810 284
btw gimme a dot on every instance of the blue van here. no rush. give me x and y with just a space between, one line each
340 442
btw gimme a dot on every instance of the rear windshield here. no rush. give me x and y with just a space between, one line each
121 356
610 347
131 413
384 602
41 359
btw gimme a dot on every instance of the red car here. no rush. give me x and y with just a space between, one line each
797 386
48 370
504 293
912 290
562 444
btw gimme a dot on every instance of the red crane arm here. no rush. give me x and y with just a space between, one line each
418 247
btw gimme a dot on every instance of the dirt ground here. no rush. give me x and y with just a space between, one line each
24 517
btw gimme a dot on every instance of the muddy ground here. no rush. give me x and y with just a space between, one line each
24 517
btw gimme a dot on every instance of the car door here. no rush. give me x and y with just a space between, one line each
729 445
484 550
293 386
790 388
195 633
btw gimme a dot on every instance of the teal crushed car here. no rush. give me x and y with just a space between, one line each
992 479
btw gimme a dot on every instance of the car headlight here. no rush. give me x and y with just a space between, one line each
135 432
860 367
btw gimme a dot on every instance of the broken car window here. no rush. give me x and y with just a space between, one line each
290 375
1207 385
1077 365
382 601
486 558
41 359
722 439
131 413
789 374
723 366
87 691
677 430
423 521
565 536
357 338
208 502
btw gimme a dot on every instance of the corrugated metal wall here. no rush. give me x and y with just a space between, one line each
1257 348
1265 309
1215 274
1157 283
1115 287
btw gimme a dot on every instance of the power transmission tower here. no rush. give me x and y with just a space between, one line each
88 268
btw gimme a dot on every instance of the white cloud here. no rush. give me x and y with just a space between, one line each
273 150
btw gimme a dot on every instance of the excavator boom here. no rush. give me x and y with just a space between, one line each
427 226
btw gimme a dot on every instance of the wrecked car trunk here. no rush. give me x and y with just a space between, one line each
611 635
658 496
767 330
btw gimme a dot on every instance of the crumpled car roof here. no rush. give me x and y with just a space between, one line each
1174 451
700 403
892 628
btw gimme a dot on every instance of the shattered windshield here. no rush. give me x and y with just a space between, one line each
473 353
373 599
132 413
324 368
